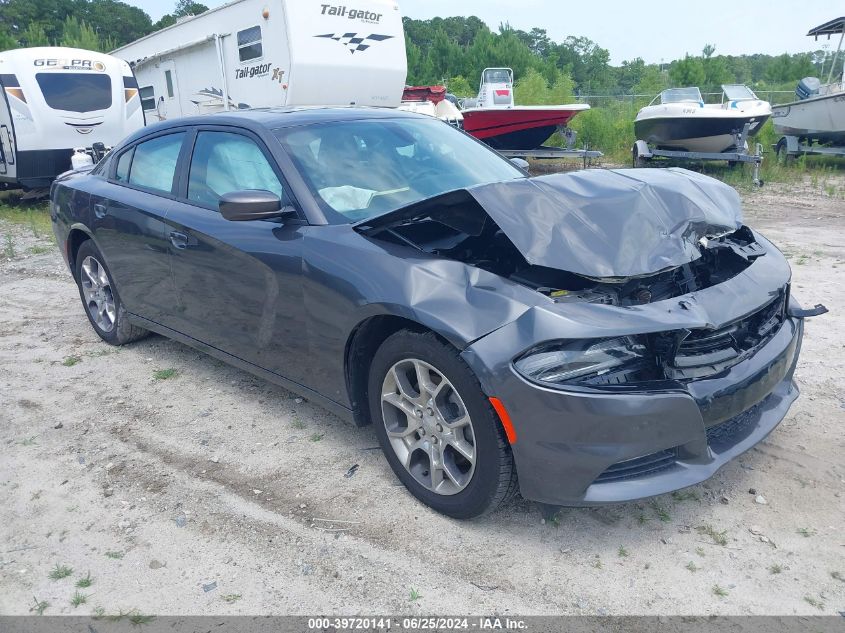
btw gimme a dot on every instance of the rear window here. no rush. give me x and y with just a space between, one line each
153 164
76 92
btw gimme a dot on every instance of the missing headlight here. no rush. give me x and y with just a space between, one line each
591 362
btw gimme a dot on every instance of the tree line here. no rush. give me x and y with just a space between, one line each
450 50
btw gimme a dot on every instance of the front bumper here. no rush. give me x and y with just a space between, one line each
592 447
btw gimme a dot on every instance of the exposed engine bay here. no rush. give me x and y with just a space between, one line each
483 244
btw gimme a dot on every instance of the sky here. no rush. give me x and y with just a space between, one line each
652 29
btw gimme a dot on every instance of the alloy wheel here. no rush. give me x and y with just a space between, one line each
428 426
97 291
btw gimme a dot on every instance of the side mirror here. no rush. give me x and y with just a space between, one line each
252 204
521 163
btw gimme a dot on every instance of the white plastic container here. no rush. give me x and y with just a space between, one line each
81 159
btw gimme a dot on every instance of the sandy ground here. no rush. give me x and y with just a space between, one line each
213 492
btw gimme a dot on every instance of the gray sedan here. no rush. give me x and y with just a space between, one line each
585 338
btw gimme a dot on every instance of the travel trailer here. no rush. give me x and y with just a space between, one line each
264 53
58 100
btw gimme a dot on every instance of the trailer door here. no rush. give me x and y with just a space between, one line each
7 144
170 106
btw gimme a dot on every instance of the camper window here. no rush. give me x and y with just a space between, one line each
148 98
249 44
75 92
168 80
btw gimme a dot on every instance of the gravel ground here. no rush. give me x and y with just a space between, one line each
212 492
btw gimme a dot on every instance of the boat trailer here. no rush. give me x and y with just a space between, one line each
642 154
547 153
790 147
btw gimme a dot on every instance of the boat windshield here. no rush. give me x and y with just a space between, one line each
680 95
497 76
738 92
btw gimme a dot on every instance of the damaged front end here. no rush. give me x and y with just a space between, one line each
662 338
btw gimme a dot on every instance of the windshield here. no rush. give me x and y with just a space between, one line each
738 93
358 170
75 92
680 95
497 76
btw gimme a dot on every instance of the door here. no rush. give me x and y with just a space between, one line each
7 143
168 105
127 215
238 284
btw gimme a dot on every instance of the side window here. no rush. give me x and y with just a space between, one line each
224 162
148 98
249 44
121 174
154 162
168 80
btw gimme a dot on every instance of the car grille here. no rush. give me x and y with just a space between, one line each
733 429
703 352
638 467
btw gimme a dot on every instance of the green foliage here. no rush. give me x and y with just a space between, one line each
77 34
183 8
688 71
460 87
34 35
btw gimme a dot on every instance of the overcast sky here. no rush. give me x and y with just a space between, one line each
651 29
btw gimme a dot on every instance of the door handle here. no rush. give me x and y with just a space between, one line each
179 240
100 210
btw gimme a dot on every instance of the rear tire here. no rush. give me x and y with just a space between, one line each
443 439
782 153
100 299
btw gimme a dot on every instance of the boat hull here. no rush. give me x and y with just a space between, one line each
820 119
695 134
518 128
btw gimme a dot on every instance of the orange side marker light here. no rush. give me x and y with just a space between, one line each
505 418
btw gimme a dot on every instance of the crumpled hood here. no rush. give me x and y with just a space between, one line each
611 223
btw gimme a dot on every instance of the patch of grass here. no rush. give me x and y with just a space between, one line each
661 512
623 553
415 595
98 612
164 374
692 567
9 246
699 551
316 437
231 598
60 571
70 361
818 604
38 606
85 582
643 519
806 532
719 591
554 520
29 441
114 555
40 249
719 538
775 569
78 599
596 562
133 615
298 424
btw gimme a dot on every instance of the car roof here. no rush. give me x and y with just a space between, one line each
275 118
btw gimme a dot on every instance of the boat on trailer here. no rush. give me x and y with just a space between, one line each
815 122
678 119
494 118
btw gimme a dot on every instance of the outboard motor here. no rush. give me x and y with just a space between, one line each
807 87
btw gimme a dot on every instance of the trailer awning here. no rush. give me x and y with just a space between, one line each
834 27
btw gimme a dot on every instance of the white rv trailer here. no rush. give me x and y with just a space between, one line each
264 53
56 100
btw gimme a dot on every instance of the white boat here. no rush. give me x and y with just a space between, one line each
818 115
678 119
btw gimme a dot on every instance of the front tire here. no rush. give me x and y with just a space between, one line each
436 427
100 299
